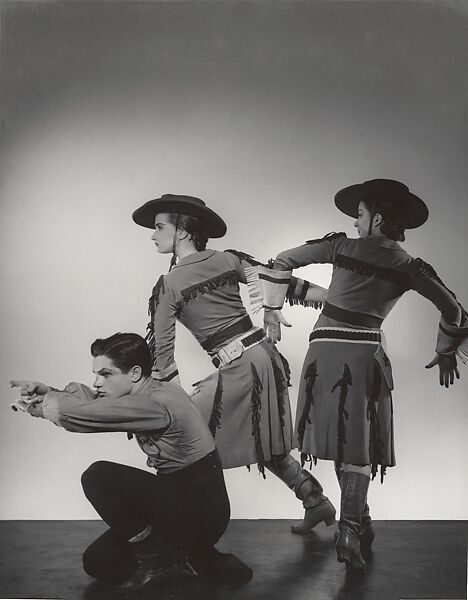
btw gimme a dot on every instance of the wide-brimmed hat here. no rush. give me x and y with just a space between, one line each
413 210
182 205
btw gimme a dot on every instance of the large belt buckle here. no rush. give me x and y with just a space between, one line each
230 352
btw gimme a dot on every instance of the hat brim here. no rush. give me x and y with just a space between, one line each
146 214
414 210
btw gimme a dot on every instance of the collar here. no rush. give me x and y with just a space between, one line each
195 257
143 385
382 244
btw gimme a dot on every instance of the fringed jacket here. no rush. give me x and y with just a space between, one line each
202 292
369 278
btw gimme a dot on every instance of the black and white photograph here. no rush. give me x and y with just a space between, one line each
234 300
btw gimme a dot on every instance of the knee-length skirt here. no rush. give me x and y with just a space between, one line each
246 405
345 410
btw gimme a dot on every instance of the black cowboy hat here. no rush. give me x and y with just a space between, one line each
413 210
183 205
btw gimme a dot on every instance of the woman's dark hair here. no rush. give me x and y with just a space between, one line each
194 226
392 225
126 350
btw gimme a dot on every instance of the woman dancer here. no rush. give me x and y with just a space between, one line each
245 402
344 409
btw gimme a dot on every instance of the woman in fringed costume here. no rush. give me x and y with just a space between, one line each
344 408
245 402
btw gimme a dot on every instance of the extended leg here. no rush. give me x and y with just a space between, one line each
318 507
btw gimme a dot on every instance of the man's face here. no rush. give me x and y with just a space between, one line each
110 381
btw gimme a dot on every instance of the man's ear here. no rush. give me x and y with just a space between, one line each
136 373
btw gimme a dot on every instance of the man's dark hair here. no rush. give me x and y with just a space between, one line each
126 350
392 219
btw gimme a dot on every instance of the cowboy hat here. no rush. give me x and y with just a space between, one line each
183 205
413 210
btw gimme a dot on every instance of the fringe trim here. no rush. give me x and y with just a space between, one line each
375 436
308 458
375 469
256 405
254 288
343 415
192 292
242 256
369 270
215 417
310 376
281 385
153 303
287 369
428 270
307 303
327 238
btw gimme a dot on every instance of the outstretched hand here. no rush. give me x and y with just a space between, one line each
30 388
272 321
31 395
448 369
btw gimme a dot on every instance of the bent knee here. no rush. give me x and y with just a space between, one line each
94 472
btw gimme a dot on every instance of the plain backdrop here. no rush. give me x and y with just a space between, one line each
265 110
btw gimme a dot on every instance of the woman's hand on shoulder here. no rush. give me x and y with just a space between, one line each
448 369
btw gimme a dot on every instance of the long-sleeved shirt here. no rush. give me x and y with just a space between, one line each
167 425
369 278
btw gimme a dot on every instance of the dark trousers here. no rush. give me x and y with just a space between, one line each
188 509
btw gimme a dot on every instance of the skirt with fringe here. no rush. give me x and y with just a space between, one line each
344 410
246 405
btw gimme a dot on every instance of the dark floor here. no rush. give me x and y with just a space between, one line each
411 560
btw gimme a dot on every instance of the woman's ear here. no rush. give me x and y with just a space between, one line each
377 220
182 234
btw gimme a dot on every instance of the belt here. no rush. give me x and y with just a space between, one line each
244 325
351 317
225 355
349 335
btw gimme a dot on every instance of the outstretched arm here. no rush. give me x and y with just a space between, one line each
77 409
453 326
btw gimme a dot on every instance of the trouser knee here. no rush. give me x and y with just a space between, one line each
93 474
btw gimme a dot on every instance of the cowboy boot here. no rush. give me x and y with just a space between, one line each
212 565
318 507
354 488
366 531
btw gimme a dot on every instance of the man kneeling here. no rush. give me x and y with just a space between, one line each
184 506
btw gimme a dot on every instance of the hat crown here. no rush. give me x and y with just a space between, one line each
190 199
386 187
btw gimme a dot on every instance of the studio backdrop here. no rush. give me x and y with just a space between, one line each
264 110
